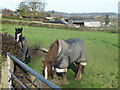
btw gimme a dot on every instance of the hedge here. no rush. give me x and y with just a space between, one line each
60 26
57 26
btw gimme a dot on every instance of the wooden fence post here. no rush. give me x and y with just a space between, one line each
7 65
4 75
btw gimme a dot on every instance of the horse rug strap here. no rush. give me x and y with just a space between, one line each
83 63
58 70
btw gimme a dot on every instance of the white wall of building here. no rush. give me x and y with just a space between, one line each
92 24
0 15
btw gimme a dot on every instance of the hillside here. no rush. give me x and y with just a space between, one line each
86 14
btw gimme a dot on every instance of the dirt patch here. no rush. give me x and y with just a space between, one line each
35 53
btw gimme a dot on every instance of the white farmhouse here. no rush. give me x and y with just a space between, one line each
0 15
87 23
92 24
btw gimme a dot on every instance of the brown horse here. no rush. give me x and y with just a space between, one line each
50 65
50 60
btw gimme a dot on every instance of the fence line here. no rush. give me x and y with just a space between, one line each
38 76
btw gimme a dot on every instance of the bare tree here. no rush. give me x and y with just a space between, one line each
36 6
32 8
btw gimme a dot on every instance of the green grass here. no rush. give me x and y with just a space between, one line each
14 20
102 51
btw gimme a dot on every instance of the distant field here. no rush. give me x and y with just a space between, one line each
102 50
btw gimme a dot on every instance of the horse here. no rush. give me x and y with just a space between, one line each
61 54
23 42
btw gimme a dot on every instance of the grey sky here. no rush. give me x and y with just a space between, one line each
71 6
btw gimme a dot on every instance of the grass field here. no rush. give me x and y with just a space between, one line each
102 51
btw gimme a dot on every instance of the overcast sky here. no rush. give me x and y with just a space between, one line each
70 6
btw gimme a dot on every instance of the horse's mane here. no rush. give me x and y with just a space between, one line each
8 44
52 53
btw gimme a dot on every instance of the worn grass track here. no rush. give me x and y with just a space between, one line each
102 50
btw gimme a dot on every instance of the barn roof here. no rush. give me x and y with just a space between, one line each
90 20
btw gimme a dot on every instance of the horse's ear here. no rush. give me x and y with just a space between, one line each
57 41
21 28
43 61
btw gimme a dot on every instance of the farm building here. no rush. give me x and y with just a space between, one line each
50 18
87 23
0 15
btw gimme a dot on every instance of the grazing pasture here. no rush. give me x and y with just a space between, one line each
102 52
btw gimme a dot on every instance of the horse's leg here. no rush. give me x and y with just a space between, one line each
64 76
77 66
54 74
79 72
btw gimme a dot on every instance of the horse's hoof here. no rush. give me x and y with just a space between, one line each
76 78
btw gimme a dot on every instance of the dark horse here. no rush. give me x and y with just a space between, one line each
22 40
61 54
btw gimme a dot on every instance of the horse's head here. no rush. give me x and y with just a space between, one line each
47 69
18 34
50 59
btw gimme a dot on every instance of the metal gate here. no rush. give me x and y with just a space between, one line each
38 78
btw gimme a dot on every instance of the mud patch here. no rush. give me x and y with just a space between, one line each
35 53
